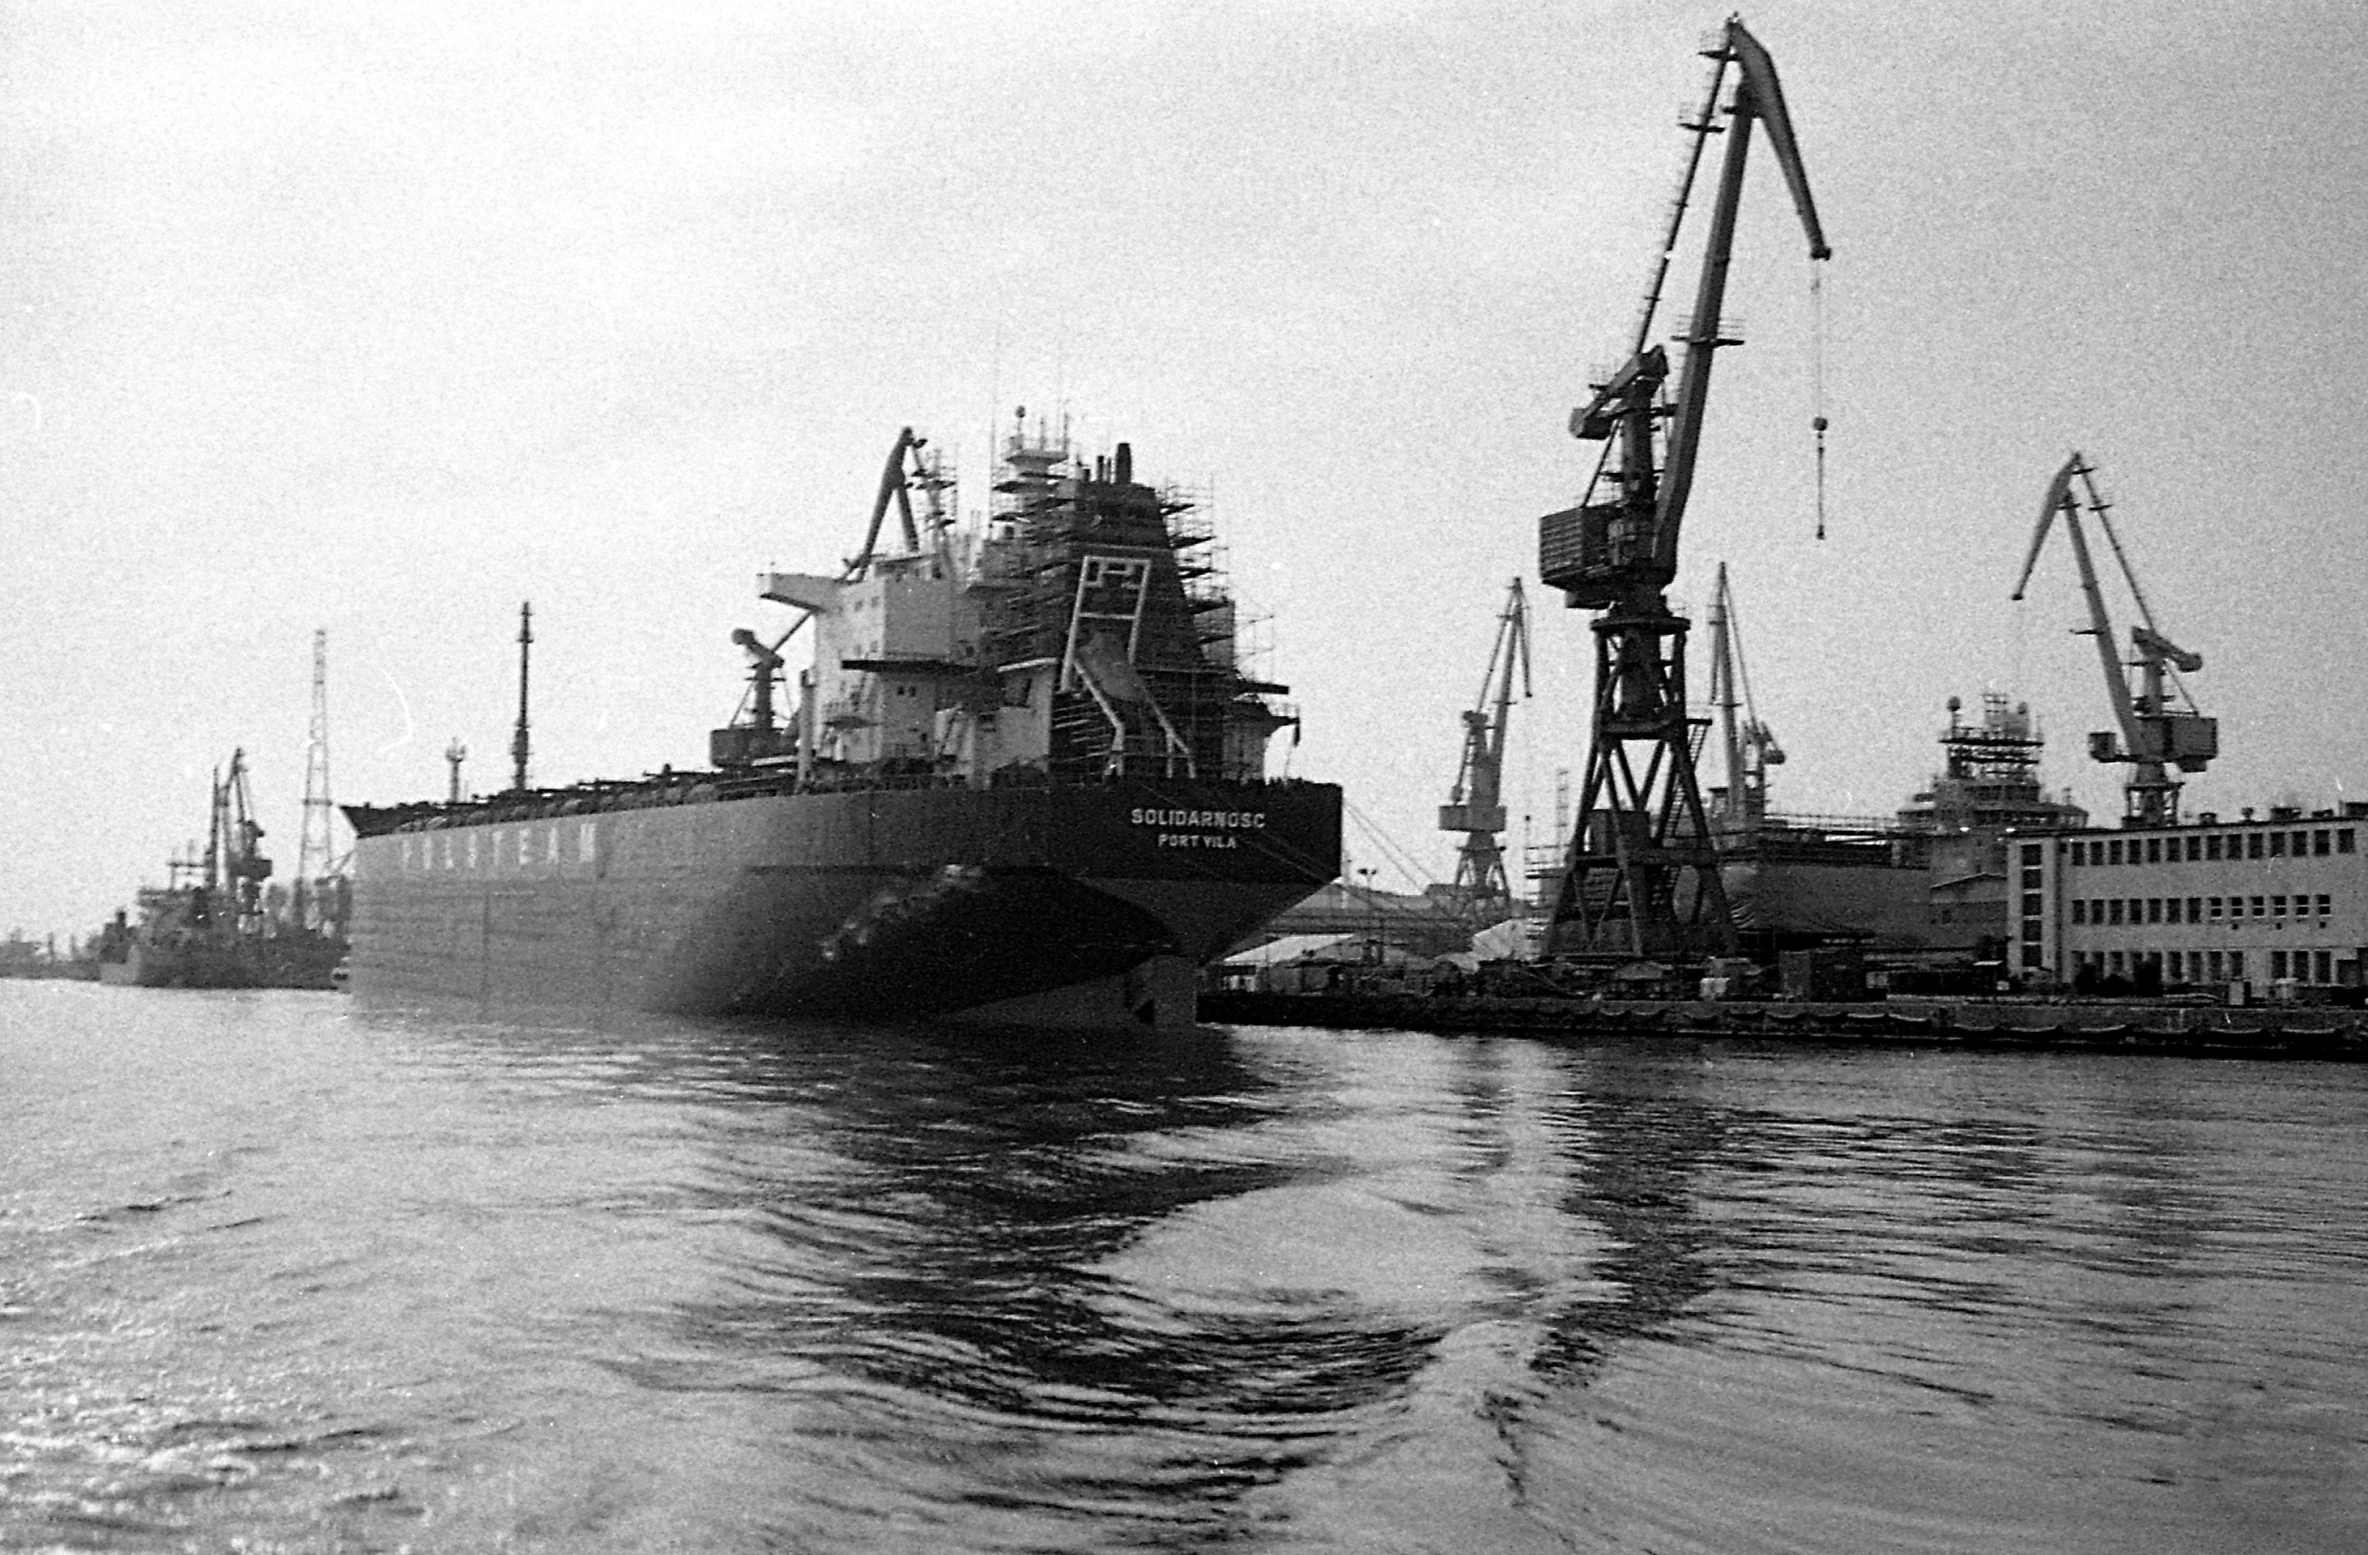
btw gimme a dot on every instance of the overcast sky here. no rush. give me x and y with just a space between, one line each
383 318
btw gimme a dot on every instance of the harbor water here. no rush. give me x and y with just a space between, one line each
281 1272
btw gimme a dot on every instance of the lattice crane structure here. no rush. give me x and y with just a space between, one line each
1747 743
2154 735
1476 805
1641 877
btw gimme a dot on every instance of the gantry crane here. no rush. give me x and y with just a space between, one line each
1641 878
1748 744
2154 735
1476 806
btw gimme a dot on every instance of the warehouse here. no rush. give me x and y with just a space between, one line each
2278 905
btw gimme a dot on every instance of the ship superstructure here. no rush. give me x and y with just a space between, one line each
1081 636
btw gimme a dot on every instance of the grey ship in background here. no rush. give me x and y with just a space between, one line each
1024 777
214 923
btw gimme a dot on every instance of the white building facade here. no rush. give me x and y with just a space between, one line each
2275 904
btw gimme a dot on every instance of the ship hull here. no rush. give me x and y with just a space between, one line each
307 961
887 901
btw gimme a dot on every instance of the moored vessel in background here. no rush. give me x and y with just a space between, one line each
214 924
1023 777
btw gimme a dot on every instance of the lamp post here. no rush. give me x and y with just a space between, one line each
1372 905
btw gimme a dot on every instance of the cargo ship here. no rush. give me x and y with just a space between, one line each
1023 778
214 924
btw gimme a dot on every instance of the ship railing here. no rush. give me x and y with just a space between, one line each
609 796
1838 826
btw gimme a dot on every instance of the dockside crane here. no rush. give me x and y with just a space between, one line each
2154 734
1476 805
1641 876
235 867
1748 744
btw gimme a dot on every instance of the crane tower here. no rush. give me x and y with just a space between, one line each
2153 734
1641 876
1748 744
1476 805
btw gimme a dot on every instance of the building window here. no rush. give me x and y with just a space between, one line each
2277 965
2326 967
2213 906
2212 846
2326 905
2277 844
2195 909
2260 908
2113 851
2113 909
2154 909
2301 843
2236 966
2277 907
2343 839
2154 850
2318 844
2031 907
2079 910
2195 848
2252 844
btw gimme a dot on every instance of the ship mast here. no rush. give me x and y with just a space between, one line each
518 741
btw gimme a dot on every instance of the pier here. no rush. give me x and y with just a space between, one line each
2219 1031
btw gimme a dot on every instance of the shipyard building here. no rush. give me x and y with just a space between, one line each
2277 905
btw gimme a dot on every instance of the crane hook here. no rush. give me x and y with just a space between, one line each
1817 419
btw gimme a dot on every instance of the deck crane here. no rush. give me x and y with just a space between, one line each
1476 805
754 735
1641 877
2154 735
1748 744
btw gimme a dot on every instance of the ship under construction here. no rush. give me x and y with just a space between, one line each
1023 777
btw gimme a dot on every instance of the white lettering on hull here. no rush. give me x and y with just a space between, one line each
1213 820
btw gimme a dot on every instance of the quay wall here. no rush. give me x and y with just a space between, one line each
2214 1030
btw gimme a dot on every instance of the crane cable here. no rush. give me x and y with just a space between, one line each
1817 380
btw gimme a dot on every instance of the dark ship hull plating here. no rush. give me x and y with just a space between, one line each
876 901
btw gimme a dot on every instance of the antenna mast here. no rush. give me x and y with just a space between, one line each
316 849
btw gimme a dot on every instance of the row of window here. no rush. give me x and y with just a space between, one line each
2317 967
2203 847
2109 910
